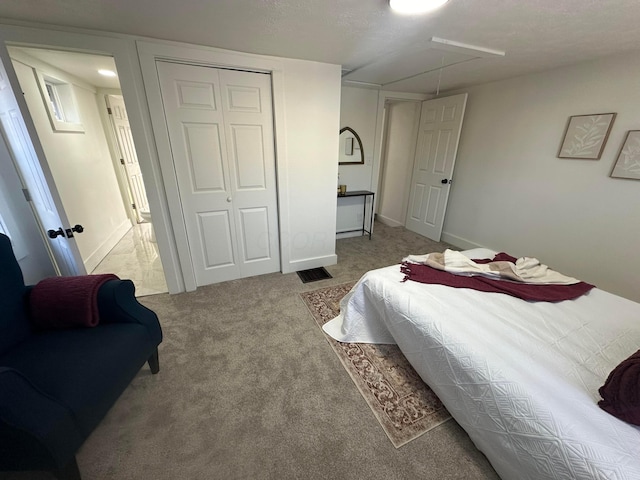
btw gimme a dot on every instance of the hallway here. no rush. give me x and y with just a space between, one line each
136 258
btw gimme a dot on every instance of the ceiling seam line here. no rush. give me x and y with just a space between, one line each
429 71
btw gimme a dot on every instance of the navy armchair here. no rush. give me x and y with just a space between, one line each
56 385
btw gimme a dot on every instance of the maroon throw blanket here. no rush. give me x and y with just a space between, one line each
526 291
621 392
65 302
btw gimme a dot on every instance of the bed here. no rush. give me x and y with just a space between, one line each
520 377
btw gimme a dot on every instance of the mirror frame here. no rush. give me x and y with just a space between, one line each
357 137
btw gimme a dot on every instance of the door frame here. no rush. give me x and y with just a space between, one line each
378 144
387 122
149 53
123 50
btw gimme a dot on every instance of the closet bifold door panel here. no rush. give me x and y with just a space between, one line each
220 126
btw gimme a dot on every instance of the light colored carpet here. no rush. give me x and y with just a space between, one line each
249 389
403 404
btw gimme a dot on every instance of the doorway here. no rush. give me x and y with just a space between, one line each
400 130
89 158
419 146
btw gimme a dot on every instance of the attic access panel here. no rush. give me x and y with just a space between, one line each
395 68
400 66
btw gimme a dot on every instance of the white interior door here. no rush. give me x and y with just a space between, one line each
19 223
438 136
128 156
38 180
220 125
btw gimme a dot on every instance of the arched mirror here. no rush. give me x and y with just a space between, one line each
351 151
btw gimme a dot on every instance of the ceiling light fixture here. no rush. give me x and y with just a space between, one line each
107 73
411 7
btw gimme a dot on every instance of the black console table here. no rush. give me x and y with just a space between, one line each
364 194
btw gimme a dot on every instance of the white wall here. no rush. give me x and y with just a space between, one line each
80 163
358 109
511 192
397 162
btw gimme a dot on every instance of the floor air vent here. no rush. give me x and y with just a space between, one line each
313 275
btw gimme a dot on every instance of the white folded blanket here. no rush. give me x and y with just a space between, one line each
526 269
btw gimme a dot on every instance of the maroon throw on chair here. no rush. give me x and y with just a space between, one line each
526 291
65 302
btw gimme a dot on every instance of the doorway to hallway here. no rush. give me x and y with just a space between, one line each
86 161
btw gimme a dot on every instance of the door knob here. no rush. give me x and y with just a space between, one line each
229 199
75 228
55 233
444 181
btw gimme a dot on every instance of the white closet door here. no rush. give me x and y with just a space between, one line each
438 136
221 132
247 107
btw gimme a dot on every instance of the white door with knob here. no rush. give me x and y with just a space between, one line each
220 126
436 149
18 222
36 177
128 156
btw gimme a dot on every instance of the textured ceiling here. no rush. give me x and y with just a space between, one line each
367 39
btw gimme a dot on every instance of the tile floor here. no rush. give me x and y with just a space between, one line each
136 258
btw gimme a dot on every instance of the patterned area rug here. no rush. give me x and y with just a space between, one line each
403 404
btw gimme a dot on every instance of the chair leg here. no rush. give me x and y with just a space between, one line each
69 472
154 362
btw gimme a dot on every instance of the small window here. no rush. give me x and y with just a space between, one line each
54 101
60 104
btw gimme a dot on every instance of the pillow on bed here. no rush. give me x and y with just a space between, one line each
621 391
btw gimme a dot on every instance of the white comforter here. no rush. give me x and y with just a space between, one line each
520 377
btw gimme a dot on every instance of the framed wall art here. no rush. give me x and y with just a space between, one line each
586 136
351 151
628 162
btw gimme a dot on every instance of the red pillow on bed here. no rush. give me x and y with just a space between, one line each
621 391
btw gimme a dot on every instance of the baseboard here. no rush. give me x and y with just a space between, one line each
93 260
461 243
388 221
307 263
